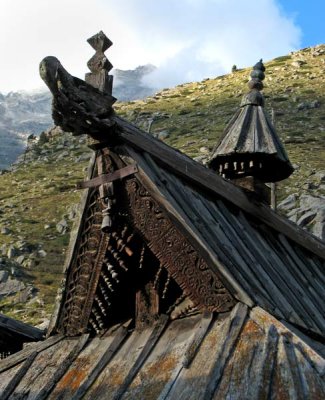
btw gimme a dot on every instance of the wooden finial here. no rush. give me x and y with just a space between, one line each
99 65
257 76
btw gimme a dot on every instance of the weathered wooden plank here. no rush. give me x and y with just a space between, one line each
267 295
294 367
251 267
261 372
42 370
154 337
318 347
120 336
312 305
276 282
80 369
117 369
189 354
18 376
319 265
301 341
16 358
230 333
299 369
249 236
63 367
195 343
172 381
309 283
166 357
244 265
20 328
237 374
209 180
312 382
308 314
315 265
283 385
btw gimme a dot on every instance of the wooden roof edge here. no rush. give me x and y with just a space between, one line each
260 315
96 117
21 328
187 228
71 250
191 170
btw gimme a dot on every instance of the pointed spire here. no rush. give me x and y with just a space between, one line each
250 145
99 65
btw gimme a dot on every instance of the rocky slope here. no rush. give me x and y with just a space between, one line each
38 197
21 114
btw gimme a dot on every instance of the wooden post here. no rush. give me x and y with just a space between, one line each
99 76
99 64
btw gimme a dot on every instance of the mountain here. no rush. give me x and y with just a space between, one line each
26 113
38 197
21 114
129 84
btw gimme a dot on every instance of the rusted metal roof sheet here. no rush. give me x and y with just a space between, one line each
262 266
246 354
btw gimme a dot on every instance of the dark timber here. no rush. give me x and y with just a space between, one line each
80 108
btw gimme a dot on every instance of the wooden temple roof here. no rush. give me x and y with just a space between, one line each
246 354
262 258
179 284
259 265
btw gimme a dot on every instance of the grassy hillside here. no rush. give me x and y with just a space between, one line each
40 192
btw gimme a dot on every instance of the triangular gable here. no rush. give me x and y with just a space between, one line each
260 257
142 267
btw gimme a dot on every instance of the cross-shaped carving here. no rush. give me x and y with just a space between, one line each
99 65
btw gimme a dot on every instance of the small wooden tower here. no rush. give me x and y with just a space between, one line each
250 151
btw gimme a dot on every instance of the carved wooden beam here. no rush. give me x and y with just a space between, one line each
77 106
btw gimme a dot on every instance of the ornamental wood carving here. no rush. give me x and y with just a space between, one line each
141 246
91 250
175 253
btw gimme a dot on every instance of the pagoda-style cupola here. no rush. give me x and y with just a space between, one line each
250 145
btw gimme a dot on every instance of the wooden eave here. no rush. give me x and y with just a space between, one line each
19 330
246 354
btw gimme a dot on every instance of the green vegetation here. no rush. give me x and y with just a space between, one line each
40 192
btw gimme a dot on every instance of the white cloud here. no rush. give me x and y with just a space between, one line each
186 39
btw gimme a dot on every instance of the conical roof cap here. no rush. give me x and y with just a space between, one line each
250 145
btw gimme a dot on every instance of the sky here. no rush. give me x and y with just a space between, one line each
188 40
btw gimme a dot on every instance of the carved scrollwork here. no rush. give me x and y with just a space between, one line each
181 260
142 244
82 268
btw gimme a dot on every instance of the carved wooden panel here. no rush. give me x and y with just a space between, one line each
175 253
141 246
91 248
